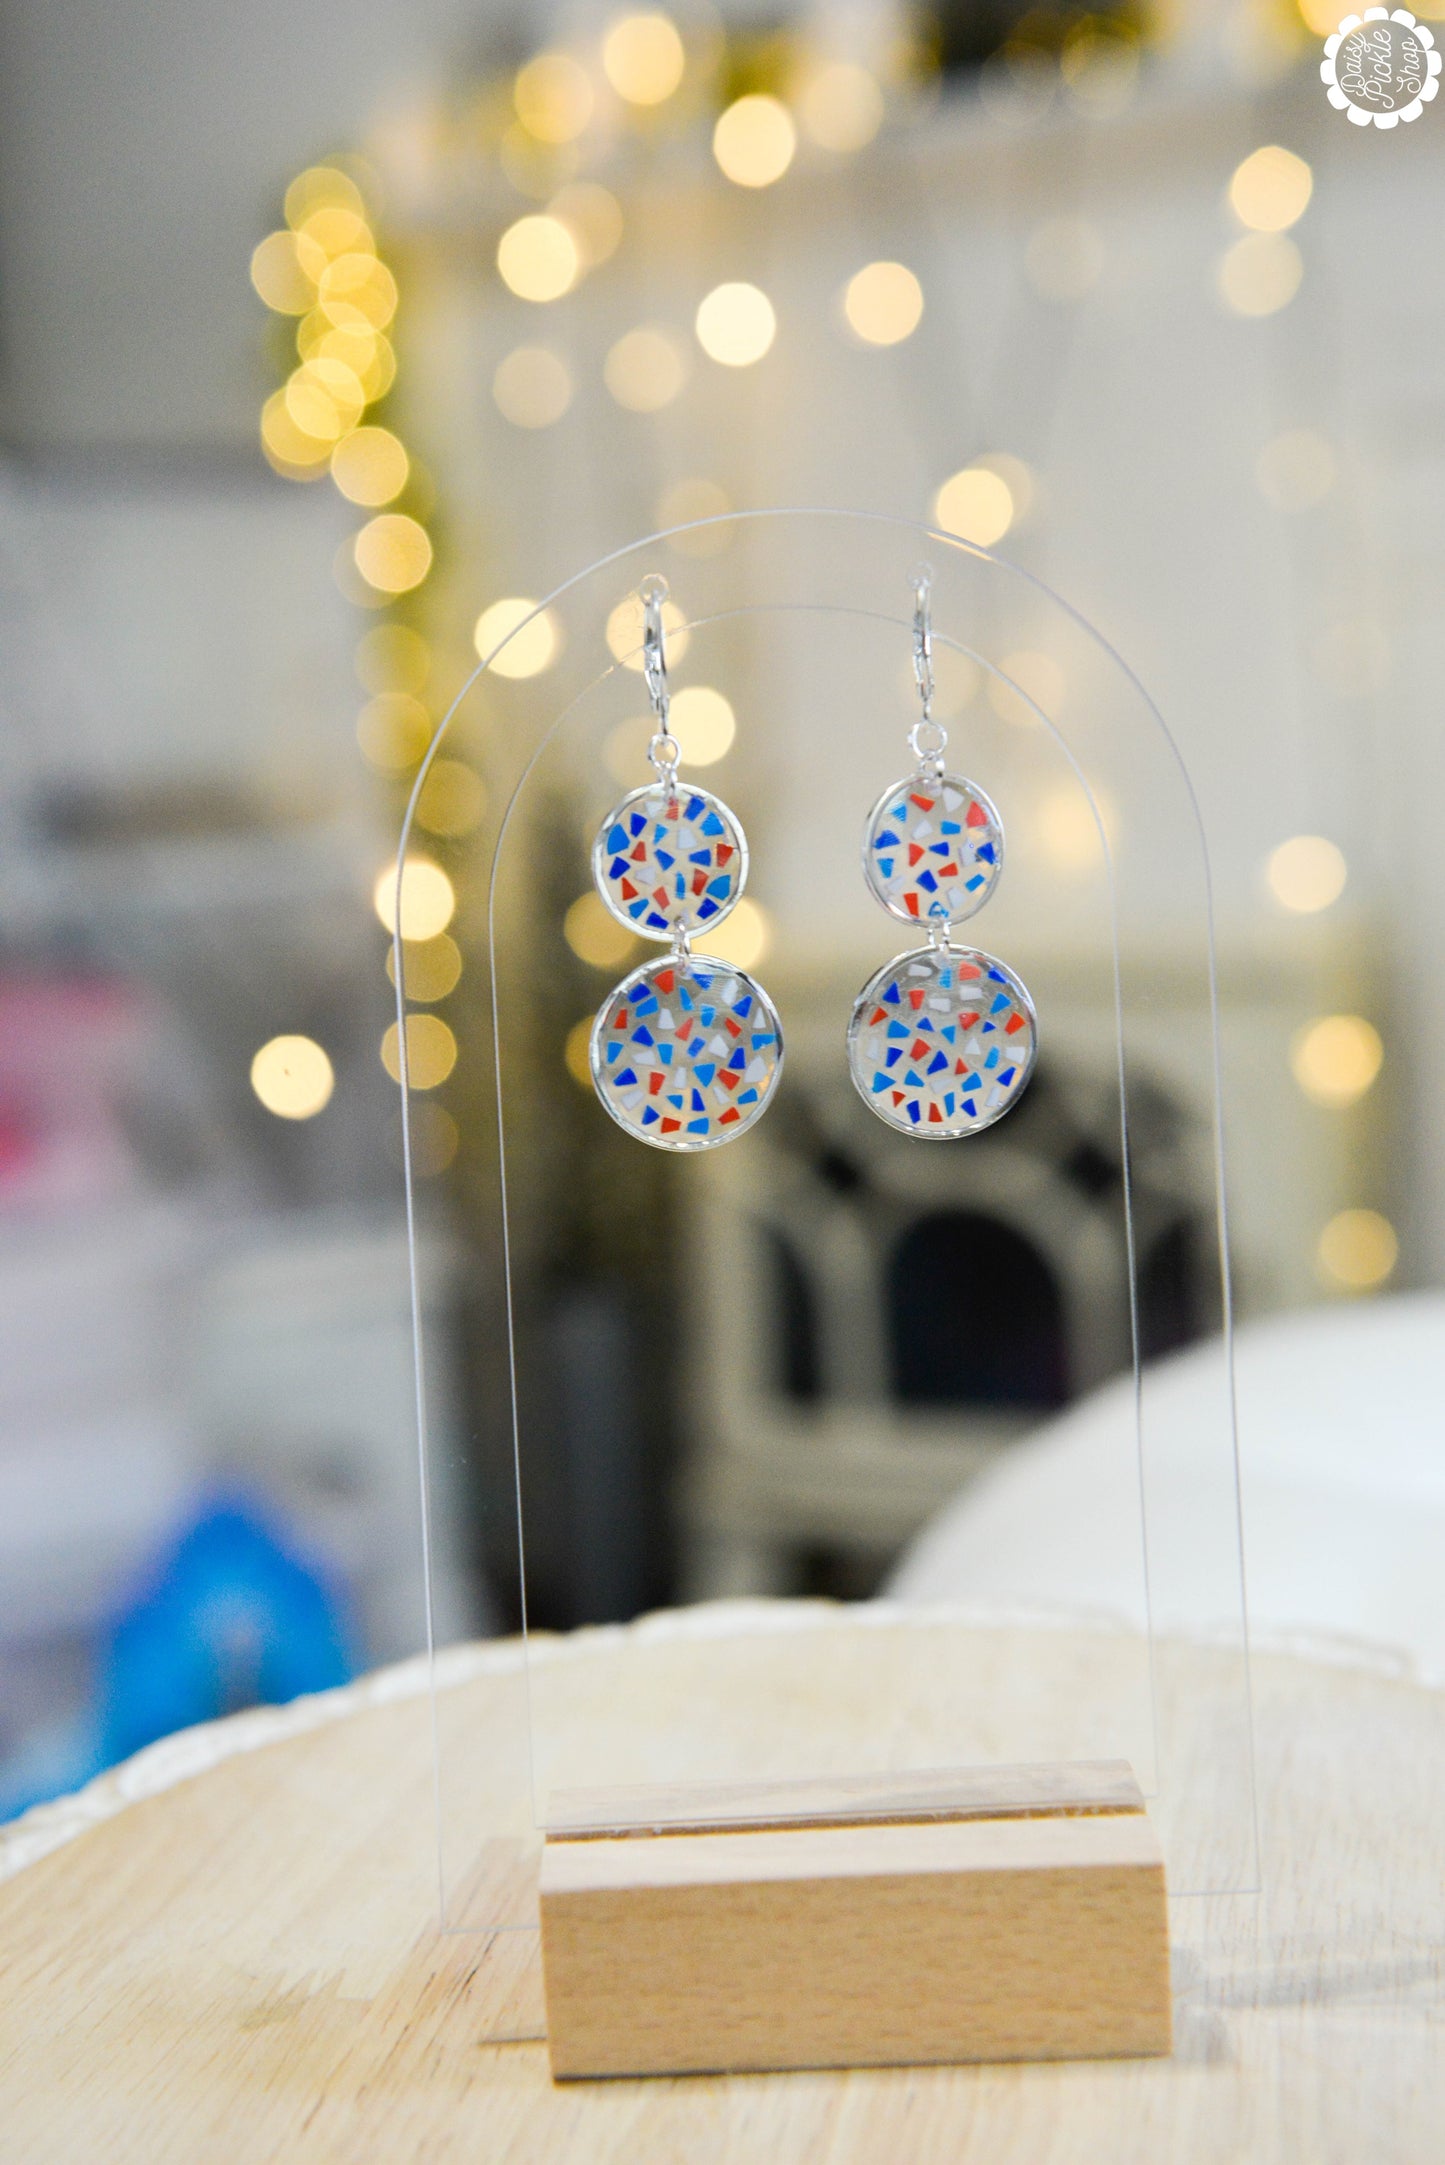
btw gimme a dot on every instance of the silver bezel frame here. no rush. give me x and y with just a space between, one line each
689 1147
868 997
691 926
959 781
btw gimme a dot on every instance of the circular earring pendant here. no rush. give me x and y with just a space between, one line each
686 1052
669 856
942 1042
933 849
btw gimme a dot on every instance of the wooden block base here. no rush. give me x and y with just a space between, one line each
933 1927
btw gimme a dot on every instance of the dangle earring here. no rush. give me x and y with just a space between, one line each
942 1041
685 1052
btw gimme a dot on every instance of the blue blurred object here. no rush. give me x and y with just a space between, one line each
230 1616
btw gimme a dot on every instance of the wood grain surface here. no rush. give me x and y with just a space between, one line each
1041 1937
243 1966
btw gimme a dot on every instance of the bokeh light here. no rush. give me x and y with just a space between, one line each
976 504
646 368
1038 676
428 899
643 57
593 217
696 498
1270 189
324 398
577 1052
430 968
290 449
431 1052
841 107
553 97
321 187
532 387
1260 274
1336 1059
594 934
370 466
704 724
357 289
736 324
883 303
1357 1251
538 258
1307 873
453 799
393 552
279 277
1067 829
744 936
293 1077
754 140
435 1138
393 731
531 646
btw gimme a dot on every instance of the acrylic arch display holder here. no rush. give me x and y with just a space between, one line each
804 621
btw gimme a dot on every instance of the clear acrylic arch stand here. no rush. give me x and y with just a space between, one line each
600 1289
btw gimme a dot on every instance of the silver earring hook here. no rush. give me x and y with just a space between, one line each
664 750
923 637
927 738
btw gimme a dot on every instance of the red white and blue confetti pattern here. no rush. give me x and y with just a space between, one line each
667 857
942 1042
686 1053
933 849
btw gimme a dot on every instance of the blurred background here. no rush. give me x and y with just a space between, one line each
332 339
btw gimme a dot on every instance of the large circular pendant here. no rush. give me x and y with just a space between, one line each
669 856
933 849
686 1052
942 1042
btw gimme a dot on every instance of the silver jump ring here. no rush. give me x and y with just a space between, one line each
927 739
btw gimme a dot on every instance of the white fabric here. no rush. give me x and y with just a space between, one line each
1342 1454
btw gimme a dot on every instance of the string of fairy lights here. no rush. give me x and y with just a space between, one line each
763 109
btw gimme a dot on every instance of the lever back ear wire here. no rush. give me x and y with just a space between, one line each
663 750
927 739
686 1052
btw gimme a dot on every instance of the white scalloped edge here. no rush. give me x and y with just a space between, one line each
1356 114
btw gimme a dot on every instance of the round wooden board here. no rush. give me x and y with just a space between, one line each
233 1959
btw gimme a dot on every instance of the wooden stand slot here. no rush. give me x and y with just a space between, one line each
1010 1914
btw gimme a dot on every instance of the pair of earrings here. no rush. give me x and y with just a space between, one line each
686 1052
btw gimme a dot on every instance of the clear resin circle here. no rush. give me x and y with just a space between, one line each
670 856
942 1042
686 1053
933 849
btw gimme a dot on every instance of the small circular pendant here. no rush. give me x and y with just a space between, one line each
669 856
942 1042
933 849
686 1052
